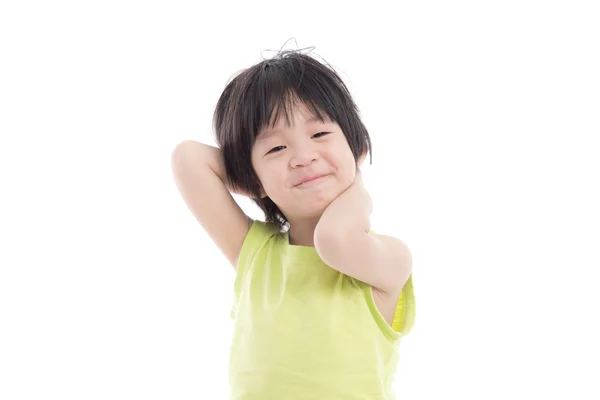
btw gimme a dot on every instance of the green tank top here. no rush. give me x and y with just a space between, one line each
303 330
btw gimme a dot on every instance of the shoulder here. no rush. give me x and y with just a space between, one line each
259 233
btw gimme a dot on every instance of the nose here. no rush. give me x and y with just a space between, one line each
303 155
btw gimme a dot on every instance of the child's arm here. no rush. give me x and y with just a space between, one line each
343 242
213 156
355 200
199 173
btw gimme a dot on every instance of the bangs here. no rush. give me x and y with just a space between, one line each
276 92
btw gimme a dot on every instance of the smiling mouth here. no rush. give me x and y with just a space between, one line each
313 181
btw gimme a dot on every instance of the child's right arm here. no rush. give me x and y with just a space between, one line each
200 176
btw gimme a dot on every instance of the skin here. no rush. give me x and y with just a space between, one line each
350 212
284 155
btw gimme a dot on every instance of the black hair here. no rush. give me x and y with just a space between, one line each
254 99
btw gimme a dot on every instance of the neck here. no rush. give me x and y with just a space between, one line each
302 233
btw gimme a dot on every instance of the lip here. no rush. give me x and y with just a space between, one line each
312 180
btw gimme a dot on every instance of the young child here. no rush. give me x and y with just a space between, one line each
321 300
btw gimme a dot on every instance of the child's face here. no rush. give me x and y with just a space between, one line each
285 155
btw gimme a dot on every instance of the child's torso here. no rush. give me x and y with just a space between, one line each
305 330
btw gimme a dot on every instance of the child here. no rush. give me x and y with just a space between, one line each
321 301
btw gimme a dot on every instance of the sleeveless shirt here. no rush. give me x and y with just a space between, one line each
303 330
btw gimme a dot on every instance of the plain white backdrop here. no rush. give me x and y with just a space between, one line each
485 120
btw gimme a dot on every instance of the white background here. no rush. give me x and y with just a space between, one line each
485 123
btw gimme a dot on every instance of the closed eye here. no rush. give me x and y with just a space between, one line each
320 134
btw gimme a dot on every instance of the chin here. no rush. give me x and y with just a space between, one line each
311 208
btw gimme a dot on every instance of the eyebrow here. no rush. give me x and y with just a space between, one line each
264 135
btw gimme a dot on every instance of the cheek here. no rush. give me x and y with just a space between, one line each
273 181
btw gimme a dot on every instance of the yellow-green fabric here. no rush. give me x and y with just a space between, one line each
303 330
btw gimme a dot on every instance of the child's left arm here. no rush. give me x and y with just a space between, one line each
343 242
